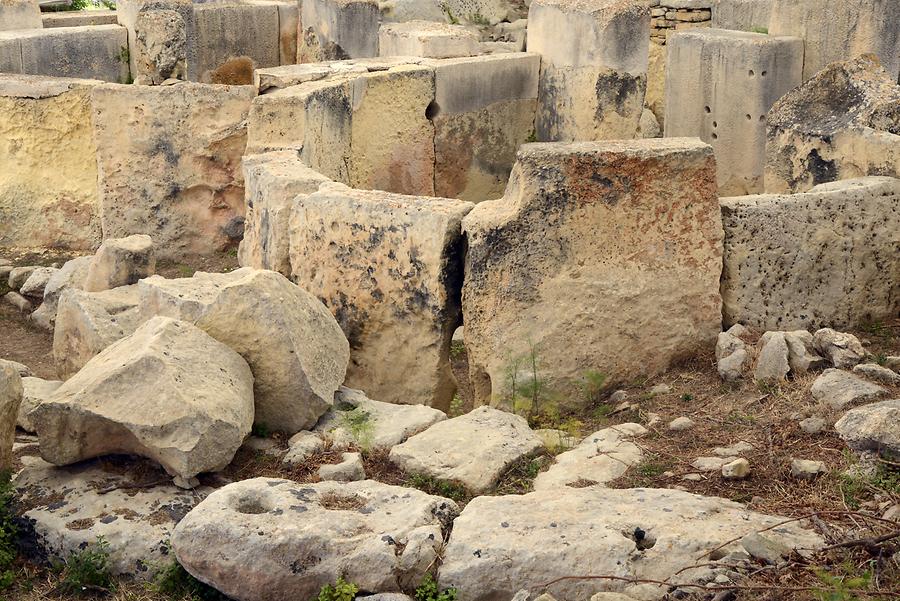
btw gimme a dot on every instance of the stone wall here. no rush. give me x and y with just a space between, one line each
19 14
669 16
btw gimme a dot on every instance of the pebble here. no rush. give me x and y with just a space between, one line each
805 469
680 424
661 389
812 425
736 470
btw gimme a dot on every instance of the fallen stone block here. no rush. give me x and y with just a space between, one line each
380 537
19 275
872 427
168 392
719 87
34 392
600 458
169 159
34 286
91 52
337 29
388 267
483 110
594 59
636 533
79 18
20 14
350 469
472 450
427 39
814 139
823 257
11 391
120 262
294 346
48 191
71 275
70 507
877 373
87 323
272 181
606 270
838 388
836 30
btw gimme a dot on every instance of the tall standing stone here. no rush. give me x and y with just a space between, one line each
337 29
11 391
593 67
602 257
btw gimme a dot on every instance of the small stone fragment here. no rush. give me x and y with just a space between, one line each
800 355
805 469
18 301
680 424
731 368
736 470
764 548
841 349
772 364
812 425
839 388
350 469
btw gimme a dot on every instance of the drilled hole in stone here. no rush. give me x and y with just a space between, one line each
749 118
764 73
715 124
251 506
642 538
707 109
432 110
715 137
752 73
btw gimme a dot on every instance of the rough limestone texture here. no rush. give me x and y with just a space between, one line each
477 12
836 30
272 181
772 364
593 67
168 392
48 184
69 507
120 262
823 257
473 449
380 537
383 425
337 29
872 427
169 162
841 124
501 544
601 457
34 286
224 31
427 39
11 391
71 275
843 350
838 388
78 18
294 346
742 15
590 244
159 49
388 266
20 14
34 392
483 110
87 323
719 87
89 52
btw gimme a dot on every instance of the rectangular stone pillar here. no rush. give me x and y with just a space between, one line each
593 67
720 86
338 29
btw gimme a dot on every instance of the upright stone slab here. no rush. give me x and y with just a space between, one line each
388 267
742 15
169 161
158 31
602 257
838 30
223 32
593 67
337 30
20 14
90 52
719 87
48 182
841 124
827 257
273 180
484 109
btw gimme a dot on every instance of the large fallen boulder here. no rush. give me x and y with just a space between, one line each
473 449
502 544
842 123
121 262
88 322
277 540
34 392
872 427
68 508
294 346
168 392
570 273
10 398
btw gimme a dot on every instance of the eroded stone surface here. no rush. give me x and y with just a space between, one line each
34 392
603 456
839 388
11 391
872 427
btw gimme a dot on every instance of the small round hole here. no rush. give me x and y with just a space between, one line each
764 73
715 137
748 117
707 109
752 73
715 124
762 118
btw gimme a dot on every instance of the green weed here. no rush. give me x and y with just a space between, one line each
429 591
442 488
340 591
360 426
176 583
87 571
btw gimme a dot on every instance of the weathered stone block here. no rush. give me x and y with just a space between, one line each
841 124
79 18
388 267
838 30
337 30
428 39
48 182
719 87
742 15
223 32
272 182
827 257
483 110
169 161
20 14
593 69
158 31
575 266
92 52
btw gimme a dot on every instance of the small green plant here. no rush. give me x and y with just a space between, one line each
532 138
456 406
360 426
450 16
433 486
429 591
87 570
175 582
840 587
881 359
260 431
524 395
124 55
457 349
763 30
477 18
687 397
8 531
593 385
603 411
340 591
